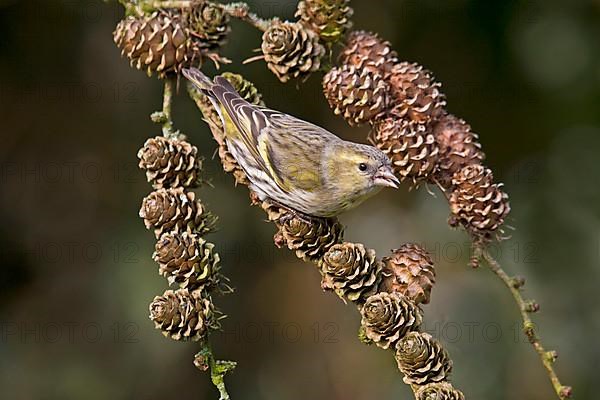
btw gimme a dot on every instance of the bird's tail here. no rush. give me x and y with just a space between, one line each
207 87
225 99
216 89
201 81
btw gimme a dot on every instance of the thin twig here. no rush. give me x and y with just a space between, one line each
163 117
237 10
151 5
547 357
218 368
143 7
167 105
242 12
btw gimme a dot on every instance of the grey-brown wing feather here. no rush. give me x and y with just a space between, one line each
296 150
245 117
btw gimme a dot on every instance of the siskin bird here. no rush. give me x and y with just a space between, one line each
293 162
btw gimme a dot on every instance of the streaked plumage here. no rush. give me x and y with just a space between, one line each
294 162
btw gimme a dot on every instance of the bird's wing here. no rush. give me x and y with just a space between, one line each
295 149
246 118
288 149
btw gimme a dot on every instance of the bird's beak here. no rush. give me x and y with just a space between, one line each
385 177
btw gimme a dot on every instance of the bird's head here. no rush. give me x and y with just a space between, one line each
359 169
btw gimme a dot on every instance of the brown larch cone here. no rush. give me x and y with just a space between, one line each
365 50
330 19
422 359
358 94
187 260
176 210
416 94
352 271
159 42
477 203
411 148
170 162
387 317
250 93
230 165
459 147
309 237
183 315
275 212
208 22
244 87
291 50
410 272
439 391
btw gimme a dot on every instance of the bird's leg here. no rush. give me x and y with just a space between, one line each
291 213
308 219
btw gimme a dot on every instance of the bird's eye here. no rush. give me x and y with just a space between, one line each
362 166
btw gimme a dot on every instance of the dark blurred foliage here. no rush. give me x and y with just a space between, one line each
77 273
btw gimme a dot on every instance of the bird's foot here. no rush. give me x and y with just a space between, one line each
290 213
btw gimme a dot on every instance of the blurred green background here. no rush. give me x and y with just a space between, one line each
76 273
